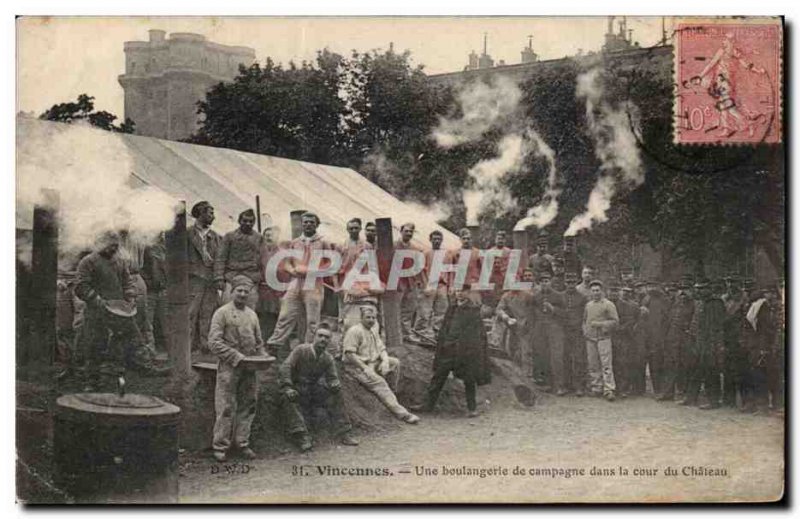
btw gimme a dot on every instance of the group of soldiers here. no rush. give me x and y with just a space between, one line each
564 332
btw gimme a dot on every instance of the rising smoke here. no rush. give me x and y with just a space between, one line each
615 147
483 108
90 169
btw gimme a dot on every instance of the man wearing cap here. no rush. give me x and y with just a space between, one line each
409 288
548 308
541 261
474 265
297 299
308 379
102 280
599 320
368 362
706 343
574 345
655 320
627 277
434 301
587 275
240 255
559 271
461 349
203 297
735 361
572 262
499 268
677 336
154 272
622 338
639 334
515 322
235 334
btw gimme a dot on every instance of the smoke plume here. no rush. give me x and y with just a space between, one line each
545 211
93 183
488 175
615 148
483 107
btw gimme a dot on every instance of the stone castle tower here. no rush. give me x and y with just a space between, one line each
165 78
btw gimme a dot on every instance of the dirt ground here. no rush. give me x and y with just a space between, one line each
639 435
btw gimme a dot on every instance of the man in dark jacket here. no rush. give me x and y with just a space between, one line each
705 347
680 318
103 280
655 322
309 379
574 345
154 272
203 296
623 339
239 254
461 349
735 361
548 333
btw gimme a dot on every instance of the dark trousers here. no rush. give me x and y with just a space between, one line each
621 344
655 359
312 397
438 381
669 369
110 340
638 362
549 336
575 353
703 370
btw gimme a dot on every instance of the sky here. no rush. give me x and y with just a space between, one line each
59 58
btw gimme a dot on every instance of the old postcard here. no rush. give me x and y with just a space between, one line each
400 260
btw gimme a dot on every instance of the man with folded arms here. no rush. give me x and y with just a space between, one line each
367 361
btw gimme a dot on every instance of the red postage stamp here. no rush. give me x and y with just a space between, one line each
728 78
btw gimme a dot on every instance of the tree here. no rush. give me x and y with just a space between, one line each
83 110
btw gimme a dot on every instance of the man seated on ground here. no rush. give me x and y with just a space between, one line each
367 361
235 334
462 350
308 379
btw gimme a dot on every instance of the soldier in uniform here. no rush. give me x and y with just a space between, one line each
559 283
656 319
680 318
706 336
638 358
541 261
548 308
515 324
735 362
623 340
574 345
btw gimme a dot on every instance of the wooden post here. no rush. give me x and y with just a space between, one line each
295 217
297 222
177 243
44 270
258 213
391 299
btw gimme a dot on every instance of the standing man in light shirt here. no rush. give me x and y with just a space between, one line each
410 288
367 361
434 301
599 320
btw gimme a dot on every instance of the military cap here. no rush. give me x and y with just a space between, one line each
309 214
627 289
595 282
640 283
242 281
558 260
247 212
702 283
198 208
